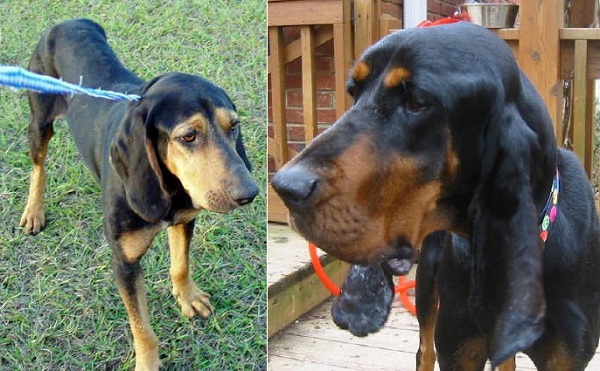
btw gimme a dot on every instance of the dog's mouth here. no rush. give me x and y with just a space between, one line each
396 257
401 264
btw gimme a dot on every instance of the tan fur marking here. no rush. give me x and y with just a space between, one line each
396 76
426 344
225 118
361 71
196 121
145 342
559 358
191 299
472 354
452 161
135 244
508 365
33 218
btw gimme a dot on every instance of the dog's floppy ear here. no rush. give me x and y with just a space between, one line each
507 296
134 158
241 151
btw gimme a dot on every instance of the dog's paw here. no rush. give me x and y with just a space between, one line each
365 302
192 300
147 362
33 220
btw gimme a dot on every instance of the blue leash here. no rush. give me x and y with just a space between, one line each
19 78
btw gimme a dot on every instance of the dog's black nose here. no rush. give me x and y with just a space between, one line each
295 184
243 195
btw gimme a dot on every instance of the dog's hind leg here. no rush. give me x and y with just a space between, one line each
44 110
191 299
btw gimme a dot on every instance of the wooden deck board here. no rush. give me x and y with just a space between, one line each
314 342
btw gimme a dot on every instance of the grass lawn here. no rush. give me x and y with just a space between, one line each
59 307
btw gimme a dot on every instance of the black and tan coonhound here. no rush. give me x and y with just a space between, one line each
447 134
159 161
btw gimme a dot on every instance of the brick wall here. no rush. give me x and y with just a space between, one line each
437 9
325 78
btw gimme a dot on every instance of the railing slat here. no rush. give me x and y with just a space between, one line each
309 101
278 95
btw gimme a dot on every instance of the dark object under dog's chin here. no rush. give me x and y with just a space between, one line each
364 304
401 264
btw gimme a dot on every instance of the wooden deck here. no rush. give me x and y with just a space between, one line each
314 342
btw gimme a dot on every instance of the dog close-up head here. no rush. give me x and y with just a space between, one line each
446 133
432 116
184 132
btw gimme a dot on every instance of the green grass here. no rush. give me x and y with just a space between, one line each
59 308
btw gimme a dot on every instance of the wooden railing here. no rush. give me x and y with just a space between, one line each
319 21
579 64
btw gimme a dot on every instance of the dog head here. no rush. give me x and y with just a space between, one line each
445 133
184 132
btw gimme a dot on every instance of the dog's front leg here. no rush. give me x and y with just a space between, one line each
191 299
130 247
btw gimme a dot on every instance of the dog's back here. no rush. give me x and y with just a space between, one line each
77 51
81 45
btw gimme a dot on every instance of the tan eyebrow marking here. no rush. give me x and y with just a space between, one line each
396 76
361 71
225 118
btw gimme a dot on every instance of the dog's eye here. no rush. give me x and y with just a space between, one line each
188 138
234 127
415 104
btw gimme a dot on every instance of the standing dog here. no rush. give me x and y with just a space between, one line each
159 161
447 134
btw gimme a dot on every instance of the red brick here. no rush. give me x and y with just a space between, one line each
295 133
291 33
392 9
294 67
294 115
448 10
293 98
325 82
323 127
293 82
325 99
324 65
298 147
325 49
271 163
326 116
433 6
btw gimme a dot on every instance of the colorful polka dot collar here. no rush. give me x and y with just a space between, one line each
551 209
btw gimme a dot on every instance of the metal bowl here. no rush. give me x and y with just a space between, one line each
492 15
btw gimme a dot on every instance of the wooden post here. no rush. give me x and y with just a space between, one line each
539 53
583 14
278 95
309 91
365 25
342 40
